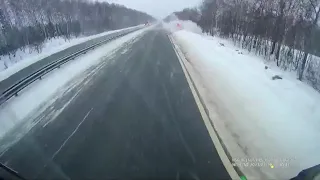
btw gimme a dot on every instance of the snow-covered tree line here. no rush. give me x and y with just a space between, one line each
285 31
31 22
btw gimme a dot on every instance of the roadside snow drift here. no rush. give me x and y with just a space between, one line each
275 122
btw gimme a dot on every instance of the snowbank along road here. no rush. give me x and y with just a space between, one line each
133 117
256 116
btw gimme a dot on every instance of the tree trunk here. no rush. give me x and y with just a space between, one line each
266 47
278 55
303 65
273 47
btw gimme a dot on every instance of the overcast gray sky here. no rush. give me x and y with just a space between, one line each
157 8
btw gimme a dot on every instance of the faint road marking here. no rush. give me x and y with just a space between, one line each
65 142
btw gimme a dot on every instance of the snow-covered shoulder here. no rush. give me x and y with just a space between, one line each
258 111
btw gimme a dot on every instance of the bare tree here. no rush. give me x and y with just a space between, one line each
312 19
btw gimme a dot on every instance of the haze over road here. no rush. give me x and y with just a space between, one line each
136 118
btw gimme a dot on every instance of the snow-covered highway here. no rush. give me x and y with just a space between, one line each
128 112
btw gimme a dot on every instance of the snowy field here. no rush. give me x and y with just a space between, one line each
26 57
33 100
271 122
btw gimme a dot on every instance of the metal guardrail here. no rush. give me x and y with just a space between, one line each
38 74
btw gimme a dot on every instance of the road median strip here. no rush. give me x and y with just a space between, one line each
14 89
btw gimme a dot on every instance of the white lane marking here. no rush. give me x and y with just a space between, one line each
4 152
223 156
58 112
65 142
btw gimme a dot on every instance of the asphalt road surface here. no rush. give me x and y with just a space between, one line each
135 119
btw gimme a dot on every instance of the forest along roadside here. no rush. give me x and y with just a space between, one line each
26 25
